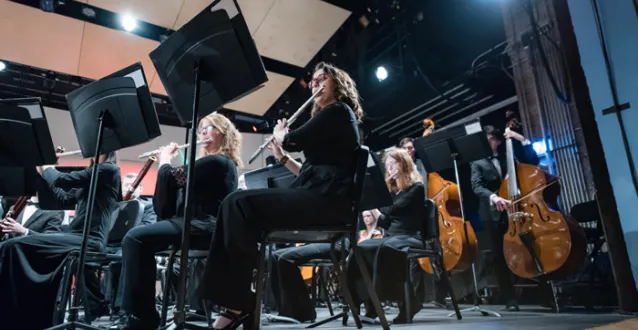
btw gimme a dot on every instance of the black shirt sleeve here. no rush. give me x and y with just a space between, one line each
404 202
478 184
75 179
326 124
171 179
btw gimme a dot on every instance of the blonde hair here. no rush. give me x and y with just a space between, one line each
345 89
231 141
408 174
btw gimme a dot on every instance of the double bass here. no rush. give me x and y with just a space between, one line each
459 250
540 242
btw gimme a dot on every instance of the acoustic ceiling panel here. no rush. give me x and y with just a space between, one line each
260 100
159 12
295 30
39 39
105 51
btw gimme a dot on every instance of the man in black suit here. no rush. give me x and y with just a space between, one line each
487 175
32 221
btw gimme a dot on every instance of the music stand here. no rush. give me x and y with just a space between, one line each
25 140
210 61
108 115
448 149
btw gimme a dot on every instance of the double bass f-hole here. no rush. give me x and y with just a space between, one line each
540 215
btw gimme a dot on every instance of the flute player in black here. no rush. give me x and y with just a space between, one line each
215 177
319 195
31 266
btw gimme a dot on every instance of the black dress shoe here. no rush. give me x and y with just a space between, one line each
132 322
511 308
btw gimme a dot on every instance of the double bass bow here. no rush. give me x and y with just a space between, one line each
540 242
459 249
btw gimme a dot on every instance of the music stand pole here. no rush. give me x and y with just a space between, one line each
179 316
476 307
79 275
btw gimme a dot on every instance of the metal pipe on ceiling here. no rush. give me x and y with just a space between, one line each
416 108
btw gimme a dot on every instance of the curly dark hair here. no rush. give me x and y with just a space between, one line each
345 91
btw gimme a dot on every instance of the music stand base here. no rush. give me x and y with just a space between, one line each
477 308
275 318
74 325
330 319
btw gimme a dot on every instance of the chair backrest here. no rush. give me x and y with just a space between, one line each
361 166
127 215
430 221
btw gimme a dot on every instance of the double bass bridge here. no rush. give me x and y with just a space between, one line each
520 216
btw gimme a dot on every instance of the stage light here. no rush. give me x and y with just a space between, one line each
2 66
382 73
540 147
129 23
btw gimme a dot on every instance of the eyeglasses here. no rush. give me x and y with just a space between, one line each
206 129
316 81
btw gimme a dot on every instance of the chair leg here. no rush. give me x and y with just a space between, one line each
259 286
64 292
324 287
445 276
167 288
370 287
407 286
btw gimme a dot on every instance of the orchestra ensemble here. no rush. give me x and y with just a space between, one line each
229 220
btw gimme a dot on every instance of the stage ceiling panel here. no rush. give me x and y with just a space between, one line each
105 51
39 39
289 31
259 101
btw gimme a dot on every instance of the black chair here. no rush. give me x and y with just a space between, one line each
121 223
197 250
433 251
328 234
588 212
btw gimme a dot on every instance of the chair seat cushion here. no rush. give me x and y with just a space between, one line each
306 236
319 262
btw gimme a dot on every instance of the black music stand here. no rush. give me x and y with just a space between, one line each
25 140
108 115
210 61
448 149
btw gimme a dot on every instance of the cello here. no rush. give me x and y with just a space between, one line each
459 250
540 242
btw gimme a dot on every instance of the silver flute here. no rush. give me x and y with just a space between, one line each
290 121
183 146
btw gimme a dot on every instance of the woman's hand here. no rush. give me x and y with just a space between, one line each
375 213
167 153
276 149
393 174
280 130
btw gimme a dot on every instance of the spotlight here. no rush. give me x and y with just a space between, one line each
2 66
540 147
382 73
129 23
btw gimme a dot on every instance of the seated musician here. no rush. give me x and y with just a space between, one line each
31 265
215 177
32 221
318 196
407 144
402 222
487 175
372 230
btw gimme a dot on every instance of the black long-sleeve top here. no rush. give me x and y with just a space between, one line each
405 215
73 188
215 178
329 141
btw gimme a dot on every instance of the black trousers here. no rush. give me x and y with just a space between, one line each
503 274
386 262
243 217
139 268
289 288
31 268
